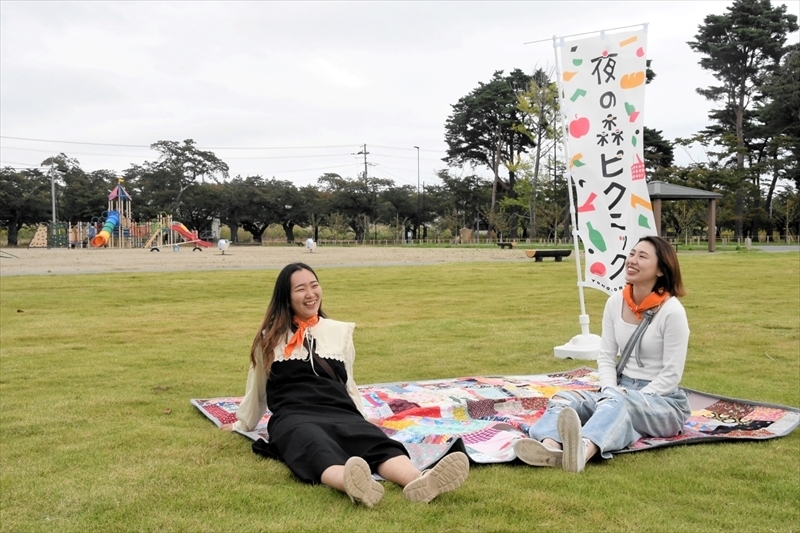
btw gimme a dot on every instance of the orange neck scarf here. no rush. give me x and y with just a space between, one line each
654 299
299 335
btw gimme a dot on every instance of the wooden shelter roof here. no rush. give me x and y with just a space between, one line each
670 191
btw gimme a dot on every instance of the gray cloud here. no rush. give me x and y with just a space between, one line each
298 74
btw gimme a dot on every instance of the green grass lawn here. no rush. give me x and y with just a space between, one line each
97 433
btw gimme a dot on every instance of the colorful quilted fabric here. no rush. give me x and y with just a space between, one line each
484 416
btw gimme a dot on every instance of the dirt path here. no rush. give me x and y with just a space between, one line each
63 261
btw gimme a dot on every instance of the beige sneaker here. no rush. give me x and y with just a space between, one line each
359 484
535 453
447 475
569 429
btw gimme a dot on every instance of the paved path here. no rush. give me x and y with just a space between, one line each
778 249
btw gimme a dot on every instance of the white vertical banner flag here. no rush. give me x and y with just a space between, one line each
602 87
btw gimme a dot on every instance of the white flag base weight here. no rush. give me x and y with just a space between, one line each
580 347
584 346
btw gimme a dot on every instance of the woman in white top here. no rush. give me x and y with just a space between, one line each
301 368
641 397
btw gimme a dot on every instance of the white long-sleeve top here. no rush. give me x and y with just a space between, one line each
662 349
333 340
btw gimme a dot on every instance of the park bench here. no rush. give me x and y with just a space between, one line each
504 245
539 255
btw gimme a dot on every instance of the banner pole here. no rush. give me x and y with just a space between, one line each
590 32
585 345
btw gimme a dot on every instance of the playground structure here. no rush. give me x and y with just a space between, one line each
50 236
190 237
166 232
116 229
106 232
112 221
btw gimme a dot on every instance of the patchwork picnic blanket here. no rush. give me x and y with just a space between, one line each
484 416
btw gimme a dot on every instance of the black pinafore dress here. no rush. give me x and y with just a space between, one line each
314 422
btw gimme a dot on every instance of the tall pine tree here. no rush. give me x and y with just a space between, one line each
741 48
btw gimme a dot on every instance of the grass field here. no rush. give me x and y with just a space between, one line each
97 433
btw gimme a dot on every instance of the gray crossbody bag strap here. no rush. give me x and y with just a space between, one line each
633 343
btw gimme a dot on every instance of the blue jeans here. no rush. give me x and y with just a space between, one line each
612 419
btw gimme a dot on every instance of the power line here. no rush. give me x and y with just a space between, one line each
51 151
73 142
28 165
199 147
393 176
23 164
211 147
404 157
363 152
397 169
404 148
274 147
284 157
276 173
304 156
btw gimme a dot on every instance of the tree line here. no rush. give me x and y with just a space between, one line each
507 126
193 185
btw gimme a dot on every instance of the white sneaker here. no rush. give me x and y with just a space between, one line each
447 475
535 453
359 483
574 449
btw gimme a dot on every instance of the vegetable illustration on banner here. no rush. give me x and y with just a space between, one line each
603 97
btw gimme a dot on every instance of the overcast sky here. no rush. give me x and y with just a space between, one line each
293 89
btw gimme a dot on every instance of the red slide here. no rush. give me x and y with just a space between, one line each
190 236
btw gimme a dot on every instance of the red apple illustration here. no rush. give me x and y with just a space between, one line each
598 269
579 127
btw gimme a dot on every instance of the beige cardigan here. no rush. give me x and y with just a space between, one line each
334 340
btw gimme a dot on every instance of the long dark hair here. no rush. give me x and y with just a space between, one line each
670 279
278 319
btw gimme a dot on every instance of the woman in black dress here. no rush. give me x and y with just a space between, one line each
302 370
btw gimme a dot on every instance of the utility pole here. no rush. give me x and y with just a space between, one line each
53 192
366 223
364 153
425 227
417 147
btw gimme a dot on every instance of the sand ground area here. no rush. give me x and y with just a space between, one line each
41 261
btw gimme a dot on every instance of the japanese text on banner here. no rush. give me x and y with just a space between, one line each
603 97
